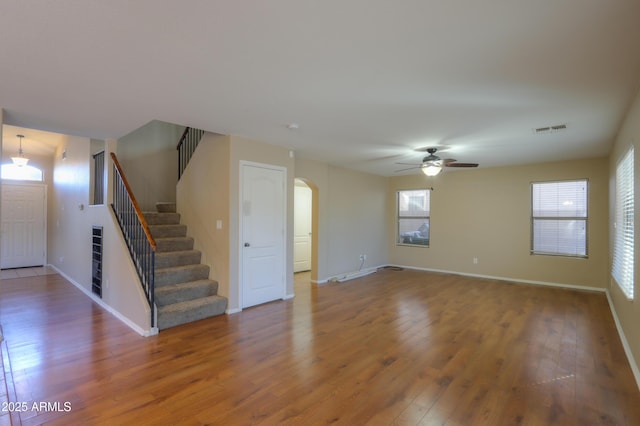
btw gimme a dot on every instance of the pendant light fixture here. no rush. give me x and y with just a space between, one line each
20 160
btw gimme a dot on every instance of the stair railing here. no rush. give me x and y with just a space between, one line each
135 230
186 146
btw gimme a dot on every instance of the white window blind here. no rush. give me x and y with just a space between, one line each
623 241
414 210
559 218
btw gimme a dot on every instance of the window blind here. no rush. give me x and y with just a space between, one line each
624 230
414 209
559 218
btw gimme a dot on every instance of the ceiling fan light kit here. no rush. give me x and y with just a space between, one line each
432 164
431 169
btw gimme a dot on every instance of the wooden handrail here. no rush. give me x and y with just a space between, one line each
139 214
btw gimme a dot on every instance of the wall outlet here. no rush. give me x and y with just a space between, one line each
475 260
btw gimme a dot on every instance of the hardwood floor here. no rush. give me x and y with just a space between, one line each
392 348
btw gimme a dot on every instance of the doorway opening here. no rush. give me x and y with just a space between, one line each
305 241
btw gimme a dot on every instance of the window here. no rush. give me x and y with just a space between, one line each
559 218
622 270
13 172
413 217
97 187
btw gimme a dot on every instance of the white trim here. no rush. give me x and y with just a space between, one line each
623 339
353 275
233 311
145 333
45 212
516 280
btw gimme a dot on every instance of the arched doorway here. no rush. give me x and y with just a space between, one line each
305 241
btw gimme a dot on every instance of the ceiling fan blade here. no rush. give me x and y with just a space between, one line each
449 160
411 164
408 168
461 164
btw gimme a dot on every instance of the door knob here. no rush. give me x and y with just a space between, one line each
247 244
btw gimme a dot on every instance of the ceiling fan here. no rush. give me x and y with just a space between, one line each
432 164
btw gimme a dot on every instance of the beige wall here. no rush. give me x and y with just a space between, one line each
349 219
202 199
70 221
149 158
356 221
485 213
628 311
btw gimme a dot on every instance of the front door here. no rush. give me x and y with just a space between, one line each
23 225
262 239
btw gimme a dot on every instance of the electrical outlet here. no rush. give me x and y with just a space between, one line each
475 260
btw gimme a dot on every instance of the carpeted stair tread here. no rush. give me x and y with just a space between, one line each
174 244
167 231
191 310
176 293
183 290
179 274
165 207
177 258
155 218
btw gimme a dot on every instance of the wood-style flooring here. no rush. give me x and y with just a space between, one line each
392 348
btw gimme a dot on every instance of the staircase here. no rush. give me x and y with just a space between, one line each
183 290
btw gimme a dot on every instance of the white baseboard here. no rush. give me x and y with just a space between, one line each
625 342
515 280
352 275
135 327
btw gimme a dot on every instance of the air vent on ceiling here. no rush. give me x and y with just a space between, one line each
550 129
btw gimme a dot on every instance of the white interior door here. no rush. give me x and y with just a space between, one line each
23 225
302 229
263 219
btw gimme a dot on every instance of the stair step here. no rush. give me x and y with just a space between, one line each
155 218
165 207
174 244
177 258
181 274
189 311
176 293
165 231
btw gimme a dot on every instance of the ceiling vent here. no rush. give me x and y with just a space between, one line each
550 129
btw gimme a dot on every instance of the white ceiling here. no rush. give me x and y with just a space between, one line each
34 142
367 81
